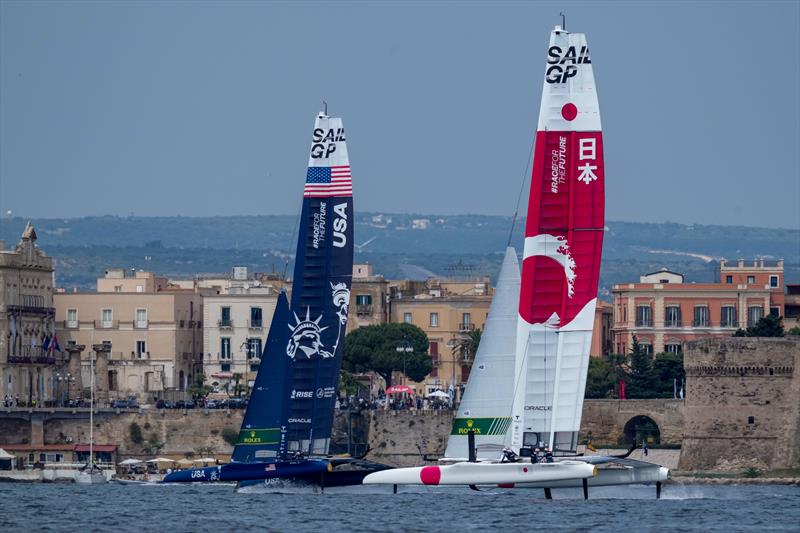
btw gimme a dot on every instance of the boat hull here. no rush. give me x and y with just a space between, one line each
250 471
483 474
607 477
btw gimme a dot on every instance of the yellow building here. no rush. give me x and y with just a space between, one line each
154 340
447 311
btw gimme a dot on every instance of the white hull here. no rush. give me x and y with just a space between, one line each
483 474
608 477
90 478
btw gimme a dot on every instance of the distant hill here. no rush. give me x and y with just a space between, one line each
399 245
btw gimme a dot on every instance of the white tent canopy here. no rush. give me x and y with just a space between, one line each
206 460
5 455
160 460
127 462
439 394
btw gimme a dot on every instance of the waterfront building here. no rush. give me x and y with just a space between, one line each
663 311
447 311
29 361
791 306
145 336
235 329
369 298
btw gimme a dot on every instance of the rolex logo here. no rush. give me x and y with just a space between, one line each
469 423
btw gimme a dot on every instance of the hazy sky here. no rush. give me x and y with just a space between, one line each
205 108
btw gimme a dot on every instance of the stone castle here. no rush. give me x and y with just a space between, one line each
742 406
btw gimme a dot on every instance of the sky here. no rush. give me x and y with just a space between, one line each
206 108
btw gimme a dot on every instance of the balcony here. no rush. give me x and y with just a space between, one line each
225 324
106 324
70 324
140 324
30 310
364 310
255 324
644 323
673 324
701 323
139 356
466 328
34 355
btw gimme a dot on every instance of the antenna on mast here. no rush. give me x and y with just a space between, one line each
563 20
325 106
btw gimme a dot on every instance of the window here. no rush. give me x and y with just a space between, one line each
72 318
117 288
407 318
434 372
775 311
106 318
433 349
225 348
773 282
701 319
466 321
647 348
751 420
434 320
141 318
644 316
754 314
253 348
140 288
225 367
225 317
728 317
672 348
256 317
728 279
364 299
254 367
672 317
141 349
751 280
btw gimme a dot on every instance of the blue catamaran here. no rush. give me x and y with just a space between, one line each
286 431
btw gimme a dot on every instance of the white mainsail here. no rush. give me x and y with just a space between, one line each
486 405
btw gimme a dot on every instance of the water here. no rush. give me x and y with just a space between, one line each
174 508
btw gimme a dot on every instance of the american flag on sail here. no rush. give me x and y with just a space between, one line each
328 181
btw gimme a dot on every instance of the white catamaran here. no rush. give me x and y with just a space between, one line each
525 393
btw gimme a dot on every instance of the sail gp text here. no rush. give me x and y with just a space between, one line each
339 225
324 143
560 70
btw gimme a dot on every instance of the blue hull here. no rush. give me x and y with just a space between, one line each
250 471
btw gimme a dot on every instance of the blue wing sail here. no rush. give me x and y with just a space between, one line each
264 432
321 290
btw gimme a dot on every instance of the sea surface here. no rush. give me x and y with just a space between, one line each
177 508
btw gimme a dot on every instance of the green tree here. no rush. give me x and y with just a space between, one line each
667 368
794 331
642 377
768 326
348 384
600 379
198 387
374 348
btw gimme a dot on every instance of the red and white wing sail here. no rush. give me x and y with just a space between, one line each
562 252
